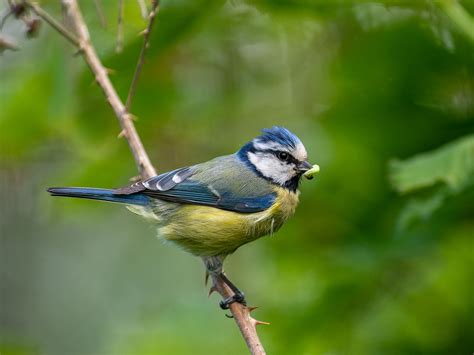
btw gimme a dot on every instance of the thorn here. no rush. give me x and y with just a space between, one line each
110 71
259 322
131 117
211 291
251 309
143 33
206 278
121 134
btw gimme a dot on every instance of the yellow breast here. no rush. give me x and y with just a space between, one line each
208 231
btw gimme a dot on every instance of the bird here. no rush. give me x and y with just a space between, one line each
213 208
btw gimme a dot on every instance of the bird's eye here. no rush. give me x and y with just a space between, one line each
283 156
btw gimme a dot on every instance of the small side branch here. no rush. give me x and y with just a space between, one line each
5 44
141 59
53 23
143 10
100 12
119 45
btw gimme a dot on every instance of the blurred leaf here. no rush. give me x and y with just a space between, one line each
452 164
420 209
451 92
459 16
374 15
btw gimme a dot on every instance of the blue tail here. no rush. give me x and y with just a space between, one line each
99 194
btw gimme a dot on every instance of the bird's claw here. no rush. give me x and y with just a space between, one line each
237 297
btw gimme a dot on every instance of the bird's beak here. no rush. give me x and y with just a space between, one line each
304 166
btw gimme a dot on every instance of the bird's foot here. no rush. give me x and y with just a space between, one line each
236 297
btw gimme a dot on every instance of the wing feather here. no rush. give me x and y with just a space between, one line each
179 187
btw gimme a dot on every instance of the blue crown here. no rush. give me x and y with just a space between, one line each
280 135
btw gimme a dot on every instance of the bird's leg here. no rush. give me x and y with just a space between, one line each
238 295
214 267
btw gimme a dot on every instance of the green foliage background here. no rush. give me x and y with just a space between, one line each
379 256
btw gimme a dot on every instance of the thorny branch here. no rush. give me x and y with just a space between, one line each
100 13
246 323
53 23
81 39
146 42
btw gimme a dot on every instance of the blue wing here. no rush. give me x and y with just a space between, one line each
177 186
193 192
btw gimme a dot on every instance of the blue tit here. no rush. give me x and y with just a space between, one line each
213 208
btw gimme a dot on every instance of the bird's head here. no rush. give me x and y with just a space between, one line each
278 156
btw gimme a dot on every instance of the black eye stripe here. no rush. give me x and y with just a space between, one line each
291 158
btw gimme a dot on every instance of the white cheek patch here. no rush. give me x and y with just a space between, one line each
271 167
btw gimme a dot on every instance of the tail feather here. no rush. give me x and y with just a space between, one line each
99 194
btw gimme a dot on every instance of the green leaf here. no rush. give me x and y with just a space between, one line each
451 164
420 209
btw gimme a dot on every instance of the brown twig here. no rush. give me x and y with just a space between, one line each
143 9
100 13
241 313
141 59
6 44
53 23
119 45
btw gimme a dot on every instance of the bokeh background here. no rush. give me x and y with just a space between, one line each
379 257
